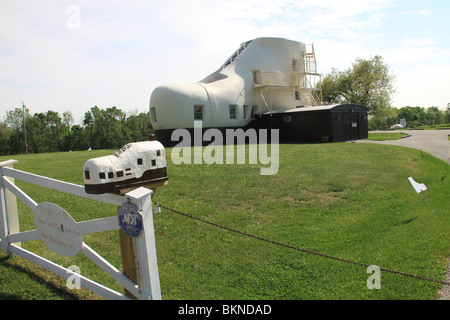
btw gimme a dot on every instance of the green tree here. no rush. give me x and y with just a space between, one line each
37 133
435 116
384 120
413 114
67 121
88 124
139 127
14 121
45 132
78 139
368 83
105 129
54 129
5 132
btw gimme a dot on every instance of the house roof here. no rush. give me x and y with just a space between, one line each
320 108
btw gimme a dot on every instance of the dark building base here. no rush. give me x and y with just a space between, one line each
167 138
331 123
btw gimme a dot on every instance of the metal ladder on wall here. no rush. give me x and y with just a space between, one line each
312 96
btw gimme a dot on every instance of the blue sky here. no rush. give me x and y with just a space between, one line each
72 55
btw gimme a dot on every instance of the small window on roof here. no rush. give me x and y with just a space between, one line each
102 175
139 162
119 174
110 175
87 174
153 163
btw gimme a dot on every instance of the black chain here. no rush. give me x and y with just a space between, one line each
301 249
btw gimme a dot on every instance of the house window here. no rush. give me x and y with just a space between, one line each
252 115
87 174
110 175
233 111
102 175
245 112
198 112
139 162
294 65
256 76
153 114
119 174
287 119
297 95
153 163
158 153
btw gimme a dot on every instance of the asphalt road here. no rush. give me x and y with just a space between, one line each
434 142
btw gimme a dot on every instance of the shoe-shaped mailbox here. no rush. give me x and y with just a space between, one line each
135 165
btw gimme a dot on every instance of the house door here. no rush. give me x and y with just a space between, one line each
351 126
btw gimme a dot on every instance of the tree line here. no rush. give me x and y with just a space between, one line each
414 116
48 131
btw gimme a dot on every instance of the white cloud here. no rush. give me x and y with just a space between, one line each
423 13
419 42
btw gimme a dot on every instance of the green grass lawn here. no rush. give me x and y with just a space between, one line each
440 126
352 201
382 136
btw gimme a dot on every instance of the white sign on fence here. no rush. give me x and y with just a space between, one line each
57 229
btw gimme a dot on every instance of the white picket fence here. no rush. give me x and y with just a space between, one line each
147 286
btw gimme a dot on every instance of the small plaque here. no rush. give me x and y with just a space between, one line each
57 229
130 220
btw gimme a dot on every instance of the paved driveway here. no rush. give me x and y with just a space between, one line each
434 142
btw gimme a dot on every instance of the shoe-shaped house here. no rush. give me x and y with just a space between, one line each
262 76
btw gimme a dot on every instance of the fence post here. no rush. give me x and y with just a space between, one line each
3 222
11 209
9 221
143 257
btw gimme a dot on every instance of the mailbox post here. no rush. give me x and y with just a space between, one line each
133 171
139 260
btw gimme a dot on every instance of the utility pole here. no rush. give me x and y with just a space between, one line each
24 128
